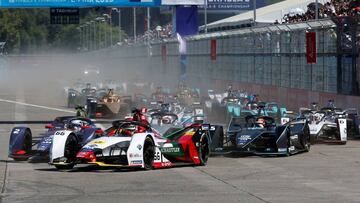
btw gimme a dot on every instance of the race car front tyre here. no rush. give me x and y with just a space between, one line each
27 145
71 148
148 153
204 149
307 144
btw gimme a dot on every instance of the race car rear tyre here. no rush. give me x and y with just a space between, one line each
70 151
307 144
312 139
204 149
307 141
148 153
288 153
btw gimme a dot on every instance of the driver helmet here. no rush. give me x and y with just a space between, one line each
166 120
138 116
261 122
143 110
130 128
331 103
165 107
270 108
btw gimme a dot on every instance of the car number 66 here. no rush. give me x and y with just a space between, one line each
60 133
157 156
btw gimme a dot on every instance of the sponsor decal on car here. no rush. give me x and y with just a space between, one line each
98 142
170 150
91 146
16 131
139 147
294 137
189 134
135 155
166 164
243 139
136 162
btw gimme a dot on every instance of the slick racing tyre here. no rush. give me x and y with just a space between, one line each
288 145
148 153
204 149
306 141
27 145
71 148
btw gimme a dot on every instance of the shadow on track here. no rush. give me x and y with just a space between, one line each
91 169
99 169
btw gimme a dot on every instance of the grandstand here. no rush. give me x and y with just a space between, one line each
265 15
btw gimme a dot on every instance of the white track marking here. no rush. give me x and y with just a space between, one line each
36 106
20 113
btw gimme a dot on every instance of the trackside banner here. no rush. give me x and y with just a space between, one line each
77 3
311 47
182 2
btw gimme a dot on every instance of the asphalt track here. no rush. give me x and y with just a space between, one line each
328 173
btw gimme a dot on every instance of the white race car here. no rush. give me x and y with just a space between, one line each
134 144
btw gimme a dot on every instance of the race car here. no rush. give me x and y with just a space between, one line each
194 113
187 96
22 141
260 135
133 144
228 104
108 106
159 96
326 126
79 98
140 100
114 85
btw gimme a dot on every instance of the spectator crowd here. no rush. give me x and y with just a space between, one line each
158 33
333 9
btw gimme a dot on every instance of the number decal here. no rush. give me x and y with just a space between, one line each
16 131
59 133
157 156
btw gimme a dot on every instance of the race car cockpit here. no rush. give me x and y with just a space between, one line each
259 122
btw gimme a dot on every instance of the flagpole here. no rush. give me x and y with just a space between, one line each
254 1
205 15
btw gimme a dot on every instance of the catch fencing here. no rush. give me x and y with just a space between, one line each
272 56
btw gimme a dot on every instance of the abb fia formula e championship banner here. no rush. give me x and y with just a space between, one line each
182 2
77 3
